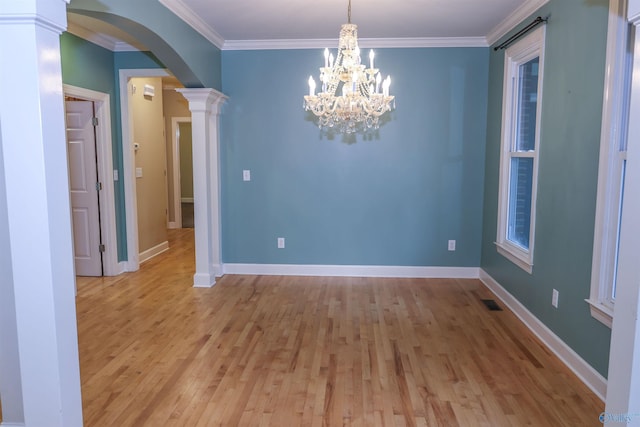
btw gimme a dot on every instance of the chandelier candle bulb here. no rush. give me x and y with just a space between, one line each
312 86
326 57
385 86
371 55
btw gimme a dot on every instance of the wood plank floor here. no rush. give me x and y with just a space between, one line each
300 351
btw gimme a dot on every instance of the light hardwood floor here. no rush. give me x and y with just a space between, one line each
301 351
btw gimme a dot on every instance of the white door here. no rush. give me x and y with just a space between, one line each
83 183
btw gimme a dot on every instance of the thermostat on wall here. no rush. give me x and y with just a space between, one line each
149 90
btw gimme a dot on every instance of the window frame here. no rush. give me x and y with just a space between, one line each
521 52
613 142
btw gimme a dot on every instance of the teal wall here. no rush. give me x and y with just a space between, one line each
391 199
568 171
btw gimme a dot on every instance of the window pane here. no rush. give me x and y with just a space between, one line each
527 106
520 187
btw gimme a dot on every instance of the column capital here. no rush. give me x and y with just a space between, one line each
203 99
49 14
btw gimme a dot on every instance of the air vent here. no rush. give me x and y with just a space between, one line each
491 305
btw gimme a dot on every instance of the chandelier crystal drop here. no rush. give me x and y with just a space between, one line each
352 97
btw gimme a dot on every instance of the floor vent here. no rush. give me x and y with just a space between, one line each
491 305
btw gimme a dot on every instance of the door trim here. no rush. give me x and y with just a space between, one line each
177 189
128 156
102 107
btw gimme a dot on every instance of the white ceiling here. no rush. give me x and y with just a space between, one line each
247 24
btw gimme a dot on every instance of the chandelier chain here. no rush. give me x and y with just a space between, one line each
349 13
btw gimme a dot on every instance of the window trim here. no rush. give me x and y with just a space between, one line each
528 48
614 119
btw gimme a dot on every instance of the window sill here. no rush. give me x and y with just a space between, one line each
600 312
511 256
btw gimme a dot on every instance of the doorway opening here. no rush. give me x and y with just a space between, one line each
182 172
94 214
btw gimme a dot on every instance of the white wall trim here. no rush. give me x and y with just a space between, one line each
515 19
104 143
589 376
128 156
623 394
102 40
613 133
12 425
156 250
352 271
122 267
186 199
184 12
379 43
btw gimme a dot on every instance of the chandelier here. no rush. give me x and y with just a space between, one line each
352 97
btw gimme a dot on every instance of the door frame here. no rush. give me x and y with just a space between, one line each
128 162
102 111
177 189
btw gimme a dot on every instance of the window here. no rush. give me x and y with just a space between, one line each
613 163
522 100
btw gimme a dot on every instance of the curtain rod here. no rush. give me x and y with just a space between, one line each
539 20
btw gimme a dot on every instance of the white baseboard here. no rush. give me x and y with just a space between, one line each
120 267
150 253
131 266
186 200
201 280
589 376
172 225
11 425
352 271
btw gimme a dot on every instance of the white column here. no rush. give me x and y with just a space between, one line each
42 352
205 107
623 389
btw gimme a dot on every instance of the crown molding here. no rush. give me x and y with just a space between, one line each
180 9
364 43
101 40
511 21
194 21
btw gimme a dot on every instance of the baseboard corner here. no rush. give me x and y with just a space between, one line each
583 370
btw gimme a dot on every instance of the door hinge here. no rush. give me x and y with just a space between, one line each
98 186
101 248
94 121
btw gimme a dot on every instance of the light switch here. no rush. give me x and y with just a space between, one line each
246 175
138 172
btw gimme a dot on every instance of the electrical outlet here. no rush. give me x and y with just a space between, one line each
280 242
452 245
554 298
246 175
